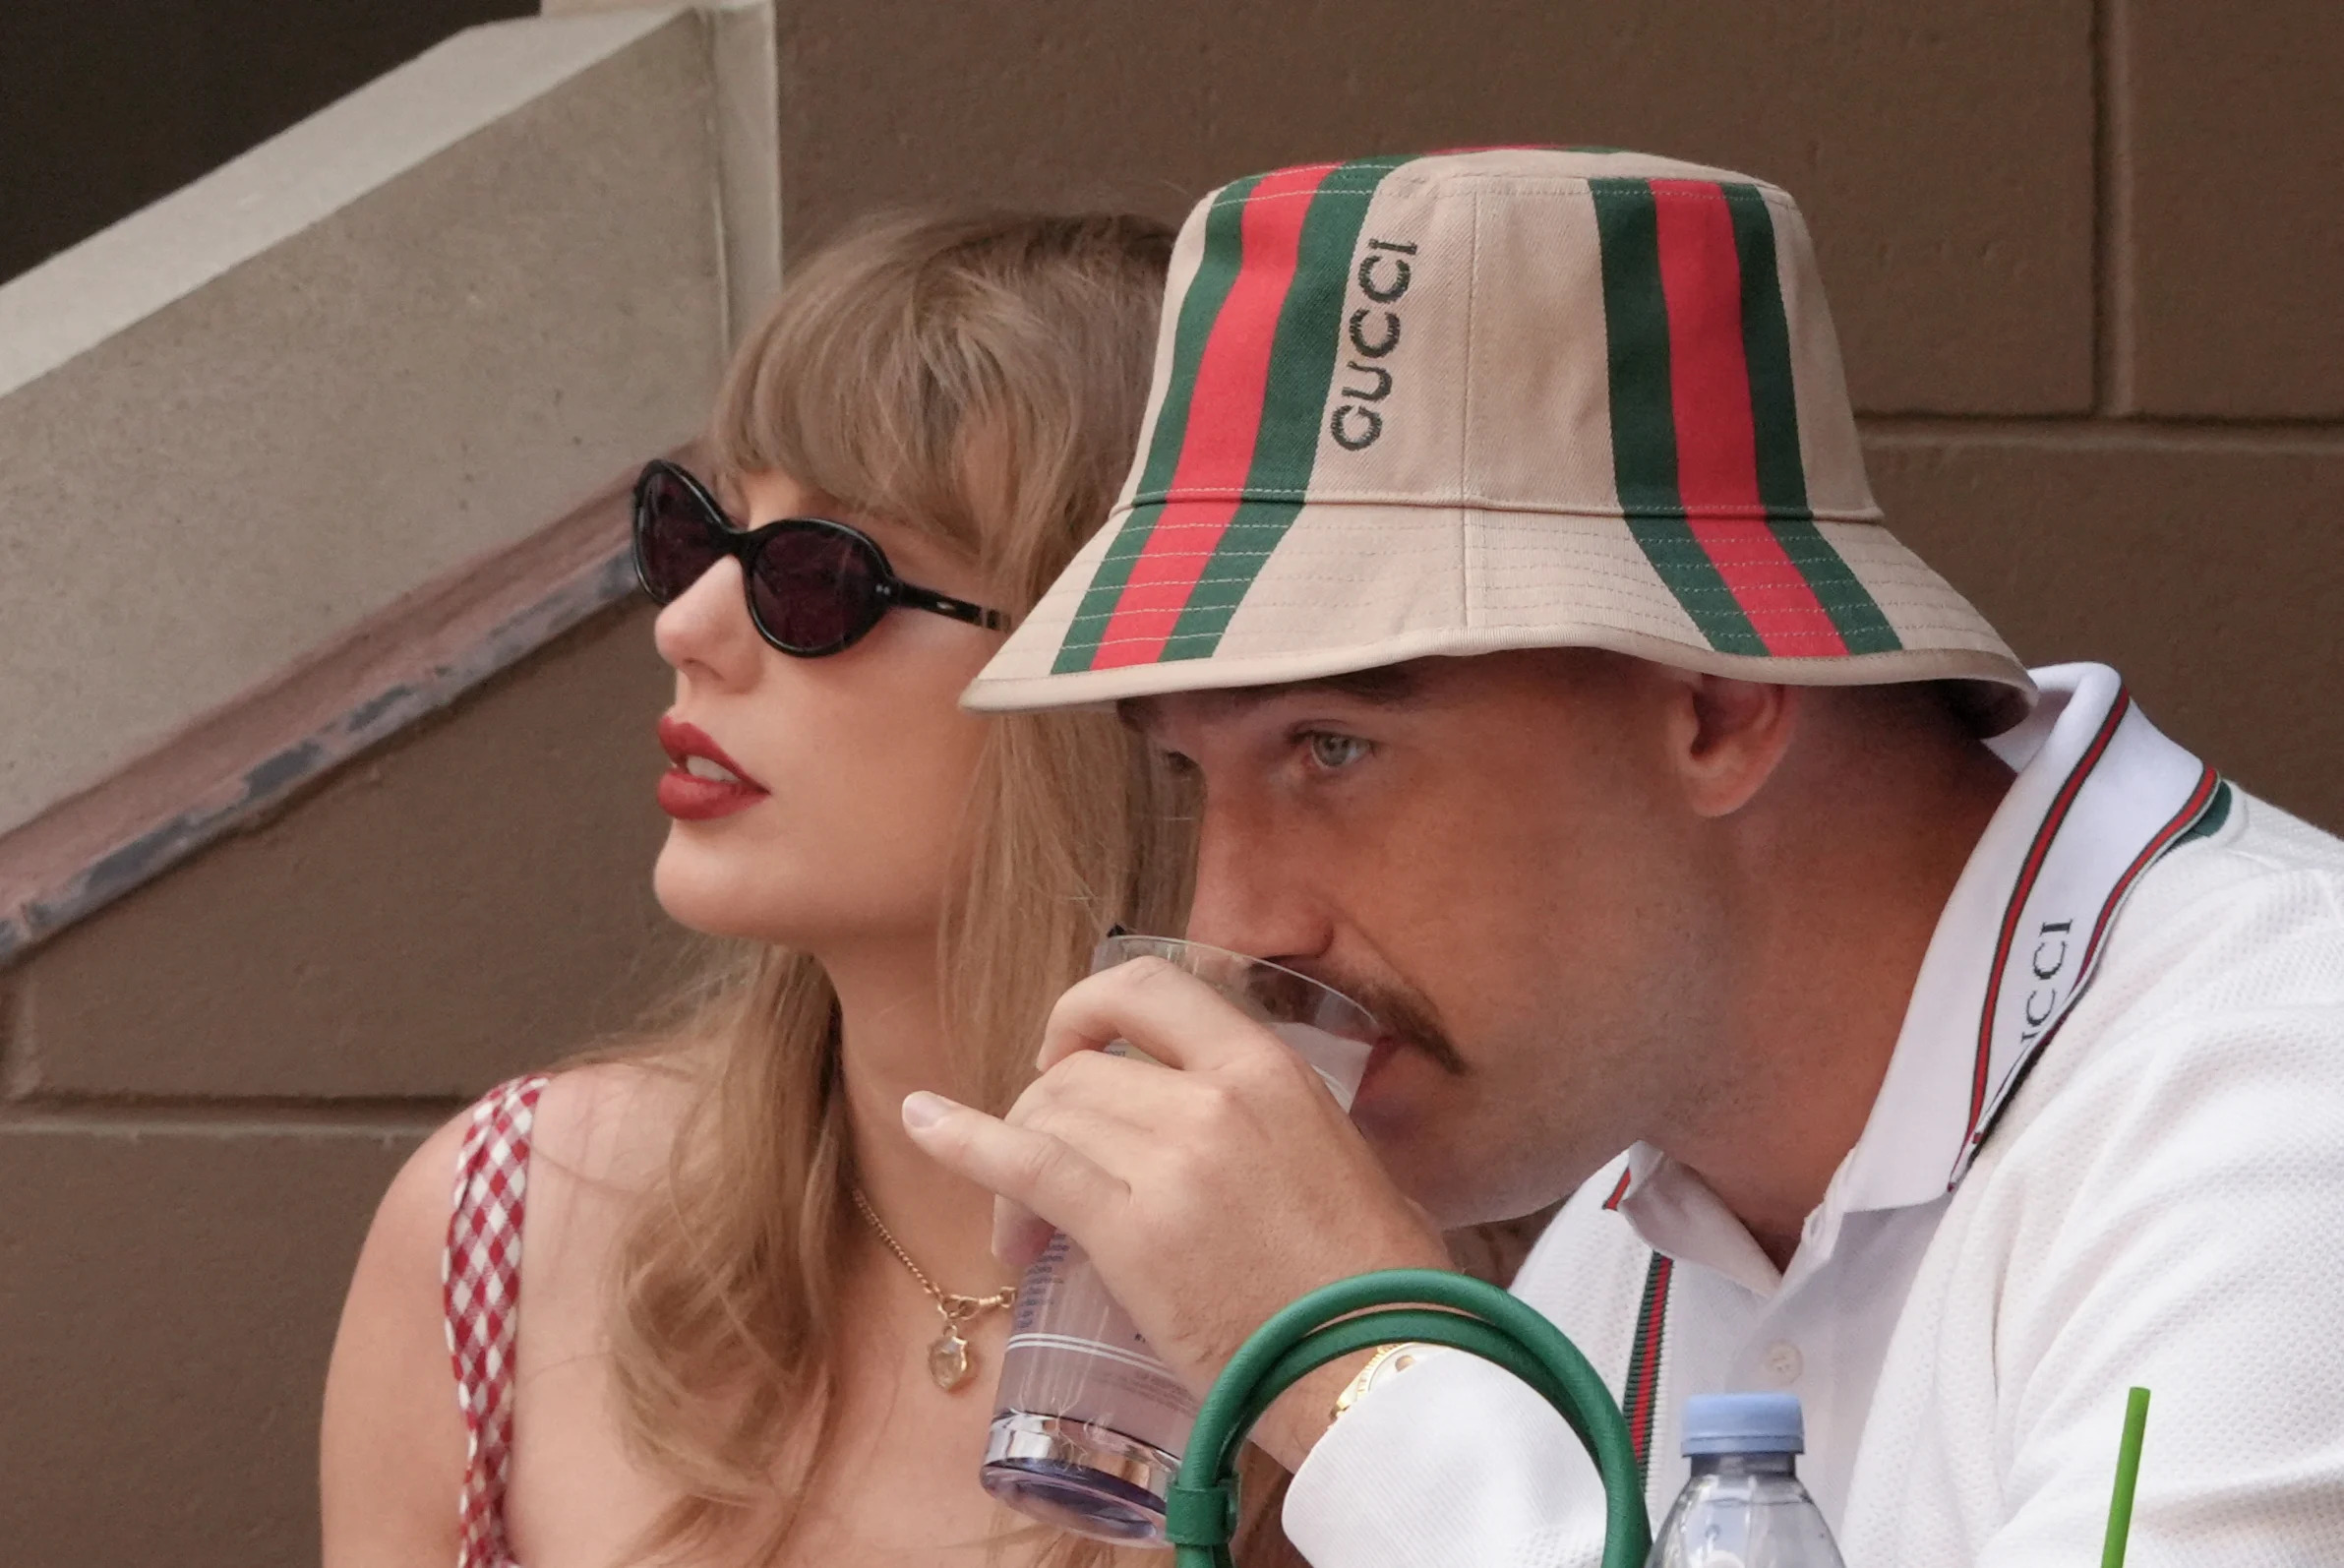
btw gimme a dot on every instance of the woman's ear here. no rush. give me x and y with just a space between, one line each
1726 737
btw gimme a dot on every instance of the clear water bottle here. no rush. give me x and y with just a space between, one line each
1744 1507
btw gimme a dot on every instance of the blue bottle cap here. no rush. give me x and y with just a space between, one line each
1744 1423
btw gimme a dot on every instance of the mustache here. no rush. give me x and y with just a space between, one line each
1407 1015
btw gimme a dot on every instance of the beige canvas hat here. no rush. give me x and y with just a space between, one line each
1494 399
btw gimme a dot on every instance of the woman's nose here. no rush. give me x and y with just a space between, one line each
706 632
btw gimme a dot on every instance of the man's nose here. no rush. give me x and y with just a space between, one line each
1250 896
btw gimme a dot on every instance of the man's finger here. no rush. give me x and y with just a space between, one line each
1019 1238
1095 1104
1113 1087
1041 1175
1163 1010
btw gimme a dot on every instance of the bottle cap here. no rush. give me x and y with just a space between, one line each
1744 1423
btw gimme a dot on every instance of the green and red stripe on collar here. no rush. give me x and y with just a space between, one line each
1640 1389
2201 813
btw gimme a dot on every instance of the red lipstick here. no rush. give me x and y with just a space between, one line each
704 783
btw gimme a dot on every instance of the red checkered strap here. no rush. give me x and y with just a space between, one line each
482 1278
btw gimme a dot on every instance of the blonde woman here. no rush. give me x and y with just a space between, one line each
753 1324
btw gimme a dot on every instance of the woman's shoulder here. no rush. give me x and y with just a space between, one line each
568 1147
615 1123
411 1225
596 1129
602 1137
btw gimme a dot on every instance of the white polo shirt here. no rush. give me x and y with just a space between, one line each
2109 1150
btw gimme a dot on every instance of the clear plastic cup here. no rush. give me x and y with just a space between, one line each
1089 1425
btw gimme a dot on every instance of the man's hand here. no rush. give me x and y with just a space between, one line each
1210 1190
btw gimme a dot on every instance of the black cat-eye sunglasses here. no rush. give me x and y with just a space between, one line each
814 586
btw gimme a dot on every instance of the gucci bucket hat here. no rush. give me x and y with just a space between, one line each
1508 398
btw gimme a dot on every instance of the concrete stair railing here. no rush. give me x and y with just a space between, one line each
315 444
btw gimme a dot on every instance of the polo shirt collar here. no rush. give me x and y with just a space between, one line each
2099 794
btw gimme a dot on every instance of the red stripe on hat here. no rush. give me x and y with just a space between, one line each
1717 441
1233 374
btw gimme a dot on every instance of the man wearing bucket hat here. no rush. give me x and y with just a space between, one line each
1936 1041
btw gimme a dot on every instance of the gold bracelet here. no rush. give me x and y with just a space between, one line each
1386 1363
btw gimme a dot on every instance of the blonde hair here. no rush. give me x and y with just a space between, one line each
981 377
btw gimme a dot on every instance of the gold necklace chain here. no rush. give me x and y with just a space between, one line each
948 1358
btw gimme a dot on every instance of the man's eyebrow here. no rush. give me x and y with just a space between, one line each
1383 684
1386 682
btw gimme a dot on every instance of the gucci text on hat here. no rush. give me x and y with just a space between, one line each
1449 405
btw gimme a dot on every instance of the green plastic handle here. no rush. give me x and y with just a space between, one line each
1386 1308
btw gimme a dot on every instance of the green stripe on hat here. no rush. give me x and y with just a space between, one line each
1302 358
1774 415
1200 307
1644 415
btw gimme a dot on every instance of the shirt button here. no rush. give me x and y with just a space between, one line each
1783 1363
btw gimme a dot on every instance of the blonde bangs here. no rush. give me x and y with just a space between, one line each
840 388
935 370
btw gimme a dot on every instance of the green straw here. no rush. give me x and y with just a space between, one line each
2128 1475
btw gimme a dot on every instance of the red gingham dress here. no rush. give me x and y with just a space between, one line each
481 1276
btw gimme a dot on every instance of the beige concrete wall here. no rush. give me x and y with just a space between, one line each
418 326
2115 421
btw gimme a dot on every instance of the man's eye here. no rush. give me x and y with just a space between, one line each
1331 751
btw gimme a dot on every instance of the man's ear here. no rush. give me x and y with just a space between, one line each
1726 737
